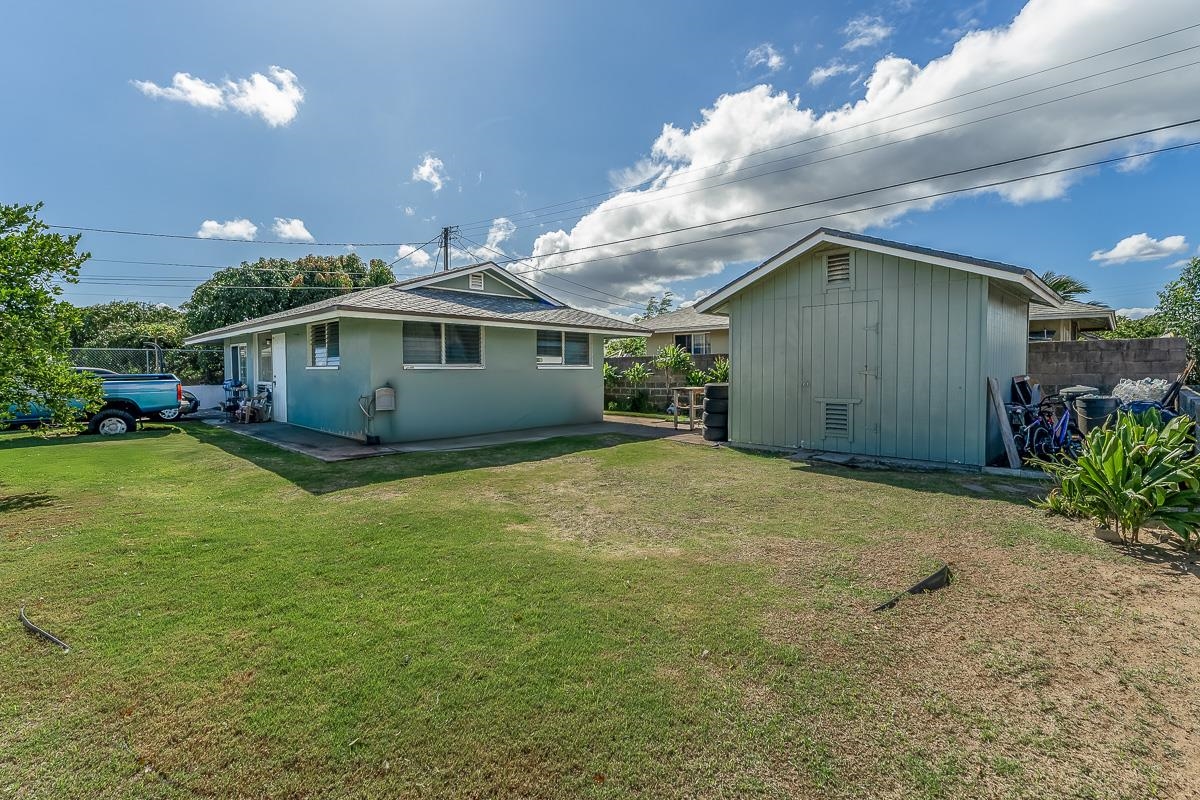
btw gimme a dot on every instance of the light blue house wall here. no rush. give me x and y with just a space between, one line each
509 392
903 353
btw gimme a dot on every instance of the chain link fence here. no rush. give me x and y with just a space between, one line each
193 365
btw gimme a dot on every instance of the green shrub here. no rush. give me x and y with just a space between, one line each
611 374
675 361
719 371
637 374
1130 473
697 377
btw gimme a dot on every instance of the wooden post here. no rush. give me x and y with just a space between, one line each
1001 417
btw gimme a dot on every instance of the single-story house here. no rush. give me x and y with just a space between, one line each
699 334
465 351
855 344
1066 322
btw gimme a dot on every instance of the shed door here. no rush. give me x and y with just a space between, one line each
840 377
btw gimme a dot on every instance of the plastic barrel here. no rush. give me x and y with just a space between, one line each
1093 412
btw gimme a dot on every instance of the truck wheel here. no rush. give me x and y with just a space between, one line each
112 422
168 414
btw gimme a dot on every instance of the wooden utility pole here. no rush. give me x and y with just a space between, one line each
446 233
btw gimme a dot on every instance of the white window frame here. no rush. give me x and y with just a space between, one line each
311 355
442 340
562 339
236 364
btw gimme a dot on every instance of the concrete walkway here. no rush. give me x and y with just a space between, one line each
327 447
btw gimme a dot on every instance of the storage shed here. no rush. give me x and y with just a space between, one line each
855 344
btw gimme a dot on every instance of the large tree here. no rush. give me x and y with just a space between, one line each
271 285
35 368
128 323
1179 305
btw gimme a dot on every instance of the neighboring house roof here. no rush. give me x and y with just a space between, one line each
684 320
420 298
1025 278
1074 309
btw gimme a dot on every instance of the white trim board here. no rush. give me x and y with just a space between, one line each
1027 280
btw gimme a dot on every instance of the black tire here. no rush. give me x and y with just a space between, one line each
716 391
714 420
1041 444
714 406
112 422
715 434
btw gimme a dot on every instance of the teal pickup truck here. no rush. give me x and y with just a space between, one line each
126 399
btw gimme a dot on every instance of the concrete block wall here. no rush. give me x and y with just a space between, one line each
1104 362
657 388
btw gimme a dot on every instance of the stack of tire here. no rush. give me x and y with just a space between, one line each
716 412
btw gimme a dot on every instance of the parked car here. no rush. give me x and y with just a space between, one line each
126 399
189 405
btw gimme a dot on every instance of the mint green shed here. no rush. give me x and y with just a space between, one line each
466 351
854 344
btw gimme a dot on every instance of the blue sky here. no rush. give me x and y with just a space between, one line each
528 104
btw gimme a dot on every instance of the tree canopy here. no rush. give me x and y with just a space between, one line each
35 368
1179 305
224 299
128 323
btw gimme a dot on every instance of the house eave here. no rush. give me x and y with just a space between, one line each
339 312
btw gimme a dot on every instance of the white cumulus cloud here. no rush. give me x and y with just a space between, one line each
230 229
865 30
821 159
1135 313
830 70
417 257
431 170
292 230
409 211
502 229
275 97
1141 247
765 55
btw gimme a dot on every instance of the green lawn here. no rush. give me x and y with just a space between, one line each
592 617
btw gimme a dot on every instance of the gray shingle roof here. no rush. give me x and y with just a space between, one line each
446 303
685 319
1072 309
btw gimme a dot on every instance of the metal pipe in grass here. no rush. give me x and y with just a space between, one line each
45 634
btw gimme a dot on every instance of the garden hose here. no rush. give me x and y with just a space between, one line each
34 629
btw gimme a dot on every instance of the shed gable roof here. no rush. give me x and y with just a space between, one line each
1021 276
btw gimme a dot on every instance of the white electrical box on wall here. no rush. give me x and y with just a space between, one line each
385 399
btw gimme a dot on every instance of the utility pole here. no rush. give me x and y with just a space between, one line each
446 233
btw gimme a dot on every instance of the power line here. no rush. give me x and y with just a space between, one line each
871 121
227 239
659 196
625 302
951 174
848 212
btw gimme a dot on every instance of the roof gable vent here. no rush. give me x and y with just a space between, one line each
837 269
476 281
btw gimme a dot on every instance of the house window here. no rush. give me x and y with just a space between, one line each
324 345
697 344
442 344
476 282
565 348
266 372
237 363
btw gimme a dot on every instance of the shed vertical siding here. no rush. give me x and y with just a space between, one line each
920 327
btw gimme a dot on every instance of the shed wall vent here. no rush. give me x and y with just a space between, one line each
837 420
837 269
477 281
